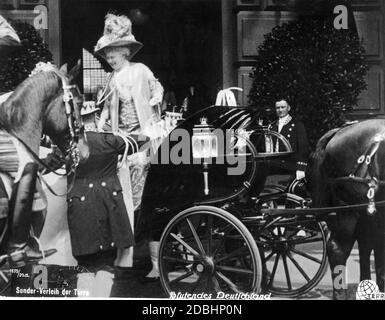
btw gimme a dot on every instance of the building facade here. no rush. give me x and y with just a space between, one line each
219 37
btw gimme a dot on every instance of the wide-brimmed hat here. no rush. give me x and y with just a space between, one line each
117 33
89 107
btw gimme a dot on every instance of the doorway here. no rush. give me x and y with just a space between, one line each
182 38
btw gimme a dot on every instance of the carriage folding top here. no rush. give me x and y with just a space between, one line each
240 138
206 203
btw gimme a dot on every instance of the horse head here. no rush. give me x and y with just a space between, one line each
74 143
46 103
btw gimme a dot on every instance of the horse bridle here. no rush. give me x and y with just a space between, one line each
74 126
75 129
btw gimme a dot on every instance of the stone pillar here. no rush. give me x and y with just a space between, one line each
229 43
54 27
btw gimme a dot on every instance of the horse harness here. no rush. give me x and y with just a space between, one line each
364 166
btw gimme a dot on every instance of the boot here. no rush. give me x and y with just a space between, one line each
125 258
153 276
22 250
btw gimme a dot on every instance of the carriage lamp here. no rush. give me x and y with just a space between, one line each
205 142
204 147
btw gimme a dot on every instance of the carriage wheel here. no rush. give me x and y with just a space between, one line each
194 258
5 281
294 251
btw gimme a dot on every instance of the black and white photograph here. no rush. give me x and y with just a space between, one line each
224 151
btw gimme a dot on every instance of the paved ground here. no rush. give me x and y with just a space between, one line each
130 286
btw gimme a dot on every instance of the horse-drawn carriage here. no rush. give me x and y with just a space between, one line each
209 205
223 229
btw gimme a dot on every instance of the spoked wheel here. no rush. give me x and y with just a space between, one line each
294 251
194 257
5 272
5 280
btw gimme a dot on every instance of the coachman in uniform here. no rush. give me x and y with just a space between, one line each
294 131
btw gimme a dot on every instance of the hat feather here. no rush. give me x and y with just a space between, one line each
117 26
117 33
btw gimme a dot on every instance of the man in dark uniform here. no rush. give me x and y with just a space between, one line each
295 133
97 216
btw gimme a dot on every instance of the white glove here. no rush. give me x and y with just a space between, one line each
155 100
300 175
101 125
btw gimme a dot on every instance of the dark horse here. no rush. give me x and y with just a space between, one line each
37 107
339 154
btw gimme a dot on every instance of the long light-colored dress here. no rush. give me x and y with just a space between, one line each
130 91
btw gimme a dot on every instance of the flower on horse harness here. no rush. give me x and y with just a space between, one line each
379 137
43 67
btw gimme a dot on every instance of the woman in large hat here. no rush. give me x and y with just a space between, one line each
131 101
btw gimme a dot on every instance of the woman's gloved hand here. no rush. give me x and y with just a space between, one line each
101 124
155 100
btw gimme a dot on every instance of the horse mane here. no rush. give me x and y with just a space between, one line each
33 92
325 139
314 172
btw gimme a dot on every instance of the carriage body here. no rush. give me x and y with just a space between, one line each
209 215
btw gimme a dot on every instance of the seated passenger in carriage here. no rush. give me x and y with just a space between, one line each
295 133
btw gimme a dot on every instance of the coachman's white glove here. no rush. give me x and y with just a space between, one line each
155 100
300 175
